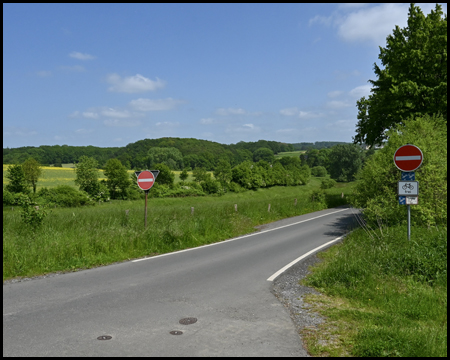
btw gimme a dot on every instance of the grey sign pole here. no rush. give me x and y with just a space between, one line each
409 222
145 215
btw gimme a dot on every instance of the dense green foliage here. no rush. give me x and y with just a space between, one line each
87 175
414 80
118 180
376 190
316 145
345 161
32 171
17 181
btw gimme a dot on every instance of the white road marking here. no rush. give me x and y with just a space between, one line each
302 257
238 238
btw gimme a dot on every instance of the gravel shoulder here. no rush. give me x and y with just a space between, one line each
289 292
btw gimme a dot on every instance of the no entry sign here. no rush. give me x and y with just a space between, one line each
408 157
145 180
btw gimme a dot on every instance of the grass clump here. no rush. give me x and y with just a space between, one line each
385 295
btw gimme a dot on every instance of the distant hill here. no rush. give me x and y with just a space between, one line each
316 145
195 152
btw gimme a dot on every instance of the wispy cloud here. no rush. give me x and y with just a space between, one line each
360 91
335 104
294 111
155 104
133 84
167 124
207 121
81 56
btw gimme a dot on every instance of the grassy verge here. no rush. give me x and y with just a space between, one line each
72 238
382 295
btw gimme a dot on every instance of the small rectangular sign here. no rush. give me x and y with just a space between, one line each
411 176
408 188
412 200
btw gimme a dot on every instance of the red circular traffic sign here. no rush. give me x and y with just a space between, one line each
145 180
408 158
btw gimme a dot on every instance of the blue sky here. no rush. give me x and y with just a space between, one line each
113 74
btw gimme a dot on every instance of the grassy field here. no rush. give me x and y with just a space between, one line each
382 295
72 238
290 153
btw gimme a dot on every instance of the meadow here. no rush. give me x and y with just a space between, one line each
290 153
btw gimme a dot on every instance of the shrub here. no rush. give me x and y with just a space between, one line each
64 195
319 171
327 183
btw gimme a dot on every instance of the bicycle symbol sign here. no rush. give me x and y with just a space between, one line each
408 188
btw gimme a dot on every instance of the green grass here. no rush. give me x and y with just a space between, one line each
72 238
383 295
290 153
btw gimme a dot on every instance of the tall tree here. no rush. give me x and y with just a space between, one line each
345 161
87 175
17 180
414 80
32 170
117 178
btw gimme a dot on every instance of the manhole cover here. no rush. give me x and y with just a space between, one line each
188 321
176 332
104 337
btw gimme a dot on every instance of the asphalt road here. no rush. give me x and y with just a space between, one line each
138 303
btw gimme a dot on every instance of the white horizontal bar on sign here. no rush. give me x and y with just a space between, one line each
412 157
145 180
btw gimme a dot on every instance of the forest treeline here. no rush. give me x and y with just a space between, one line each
185 152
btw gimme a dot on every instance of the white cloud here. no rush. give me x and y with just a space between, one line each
155 105
110 112
81 56
367 22
246 128
289 111
44 73
133 84
18 131
167 124
360 91
335 104
75 114
89 115
121 122
230 111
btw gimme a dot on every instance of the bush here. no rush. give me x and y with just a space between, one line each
63 195
327 183
211 186
319 171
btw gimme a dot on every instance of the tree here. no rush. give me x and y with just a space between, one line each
184 175
165 176
263 154
169 156
414 80
345 161
17 180
87 175
200 174
222 171
32 170
117 178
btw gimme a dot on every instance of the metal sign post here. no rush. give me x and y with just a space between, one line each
145 180
408 158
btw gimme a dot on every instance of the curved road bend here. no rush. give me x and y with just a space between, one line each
138 303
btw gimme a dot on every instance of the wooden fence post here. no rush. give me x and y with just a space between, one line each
192 210
235 207
268 210
295 202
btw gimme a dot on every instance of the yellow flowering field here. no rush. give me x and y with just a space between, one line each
54 176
